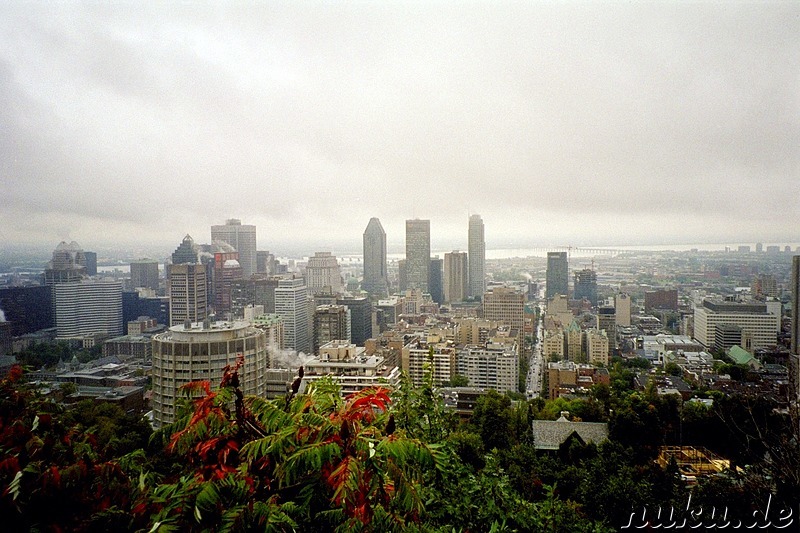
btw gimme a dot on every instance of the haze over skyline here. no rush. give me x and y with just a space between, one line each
583 124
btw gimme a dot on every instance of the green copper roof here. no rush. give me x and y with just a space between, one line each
739 355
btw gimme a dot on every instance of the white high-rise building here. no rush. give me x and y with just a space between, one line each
752 317
243 238
323 271
477 257
293 306
490 366
88 306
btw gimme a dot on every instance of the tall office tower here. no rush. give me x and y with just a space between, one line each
360 318
227 271
198 351
586 285
265 262
68 264
91 263
323 271
186 252
456 272
506 305
622 304
293 306
794 370
418 253
607 321
188 293
243 239
557 276
88 306
477 257
28 309
435 280
257 290
144 273
661 299
402 275
376 280
331 323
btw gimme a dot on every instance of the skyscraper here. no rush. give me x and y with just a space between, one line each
323 271
144 273
331 323
418 253
292 305
243 239
186 252
376 280
455 276
477 257
188 293
586 285
68 264
435 279
506 305
557 276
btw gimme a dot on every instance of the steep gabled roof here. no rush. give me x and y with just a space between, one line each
550 435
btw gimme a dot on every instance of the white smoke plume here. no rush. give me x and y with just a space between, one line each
290 359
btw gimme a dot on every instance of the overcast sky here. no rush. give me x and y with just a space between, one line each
560 123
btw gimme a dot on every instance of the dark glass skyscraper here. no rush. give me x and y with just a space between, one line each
375 279
557 274
586 285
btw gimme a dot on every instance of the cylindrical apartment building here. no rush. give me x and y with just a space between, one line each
201 351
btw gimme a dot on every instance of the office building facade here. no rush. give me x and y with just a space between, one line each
753 318
292 304
144 273
243 238
87 307
585 285
188 293
418 253
376 279
476 248
456 274
557 276
490 366
506 305
323 271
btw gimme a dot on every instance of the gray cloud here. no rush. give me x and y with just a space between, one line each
581 123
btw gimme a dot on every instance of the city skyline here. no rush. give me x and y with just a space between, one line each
588 124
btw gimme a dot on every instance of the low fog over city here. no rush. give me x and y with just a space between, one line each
560 123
